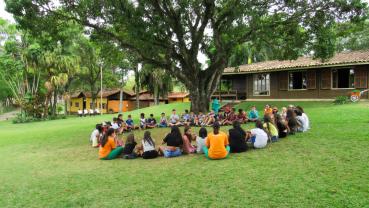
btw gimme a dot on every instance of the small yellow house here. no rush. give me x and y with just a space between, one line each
110 101
178 97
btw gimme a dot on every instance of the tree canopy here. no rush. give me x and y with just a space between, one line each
170 35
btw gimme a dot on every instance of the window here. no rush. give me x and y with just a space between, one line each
297 80
343 78
76 104
262 84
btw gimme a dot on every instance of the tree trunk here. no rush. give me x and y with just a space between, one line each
156 95
55 102
137 88
200 102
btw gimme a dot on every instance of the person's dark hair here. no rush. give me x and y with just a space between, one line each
108 123
142 115
186 111
298 112
163 113
291 119
237 126
300 108
106 136
240 111
290 114
267 120
259 124
233 109
186 129
151 115
147 138
99 127
120 115
176 132
115 119
203 133
129 116
216 127
130 139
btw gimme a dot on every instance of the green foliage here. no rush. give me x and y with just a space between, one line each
340 100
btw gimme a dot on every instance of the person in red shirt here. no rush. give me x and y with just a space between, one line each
230 118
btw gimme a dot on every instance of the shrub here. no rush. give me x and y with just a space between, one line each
339 100
22 118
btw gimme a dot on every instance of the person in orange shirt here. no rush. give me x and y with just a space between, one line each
268 110
108 149
217 145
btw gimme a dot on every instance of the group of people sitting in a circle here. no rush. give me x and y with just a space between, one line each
214 145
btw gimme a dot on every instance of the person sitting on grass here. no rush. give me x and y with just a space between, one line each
96 135
186 118
220 117
230 118
130 124
201 119
268 110
148 146
216 145
253 114
116 126
151 122
193 118
237 138
122 123
304 117
270 129
210 118
163 121
257 136
291 121
241 116
201 140
174 119
108 149
143 122
129 147
284 113
174 143
187 137
281 126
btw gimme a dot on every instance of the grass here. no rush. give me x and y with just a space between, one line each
50 164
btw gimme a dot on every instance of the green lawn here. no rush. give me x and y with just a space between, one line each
50 164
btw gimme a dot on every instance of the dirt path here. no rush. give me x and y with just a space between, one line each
8 115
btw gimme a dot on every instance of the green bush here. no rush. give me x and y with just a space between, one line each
340 100
21 118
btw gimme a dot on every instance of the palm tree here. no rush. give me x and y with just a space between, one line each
157 82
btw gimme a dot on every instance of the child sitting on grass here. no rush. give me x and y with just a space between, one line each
268 110
108 149
187 137
230 117
270 129
151 122
258 136
201 140
96 135
216 145
130 124
253 114
163 121
128 150
241 117
148 146
142 121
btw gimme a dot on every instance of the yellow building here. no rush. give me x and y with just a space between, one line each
110 101
178 97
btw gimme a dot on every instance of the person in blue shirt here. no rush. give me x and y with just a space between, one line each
253 114
130 124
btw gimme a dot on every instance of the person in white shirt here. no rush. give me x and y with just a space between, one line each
258 136
302 120
305 117
96 135
201 140
91 112
148 146
174 119
85 112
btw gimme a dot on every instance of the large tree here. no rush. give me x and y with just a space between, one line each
171 34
